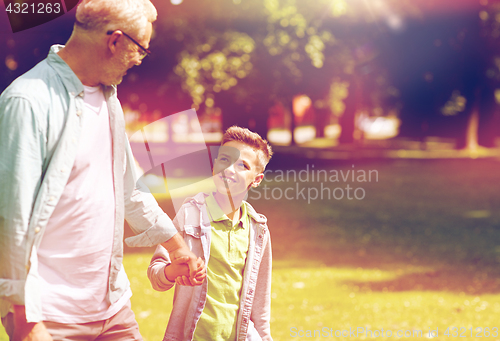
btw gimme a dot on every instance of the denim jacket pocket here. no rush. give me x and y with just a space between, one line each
192 237
192 231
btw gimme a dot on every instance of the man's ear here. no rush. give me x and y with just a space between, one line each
258 179
113 40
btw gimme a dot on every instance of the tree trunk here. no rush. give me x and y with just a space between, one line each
321 120
471 143
258 117
487 125
471 133
347 120
233 114
293 124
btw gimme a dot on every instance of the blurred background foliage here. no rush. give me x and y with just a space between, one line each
335 65
432 64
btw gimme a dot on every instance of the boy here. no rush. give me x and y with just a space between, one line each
225 231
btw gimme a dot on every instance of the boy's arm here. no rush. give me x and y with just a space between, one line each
161 259
156 270
261 309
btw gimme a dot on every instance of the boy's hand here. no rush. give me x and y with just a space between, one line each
183 280
179 251
201 273
179 268
198 279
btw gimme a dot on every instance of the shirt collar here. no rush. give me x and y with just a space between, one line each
217 215
72 83
244 219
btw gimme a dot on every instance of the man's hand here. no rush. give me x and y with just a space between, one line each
177 272
198 279
24 331
180 253
177 268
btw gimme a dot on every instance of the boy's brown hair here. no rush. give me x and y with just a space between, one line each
251 139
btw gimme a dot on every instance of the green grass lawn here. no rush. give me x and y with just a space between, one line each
420 251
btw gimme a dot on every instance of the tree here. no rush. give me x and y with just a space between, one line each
273 50
444 67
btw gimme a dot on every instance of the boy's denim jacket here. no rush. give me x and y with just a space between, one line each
255 301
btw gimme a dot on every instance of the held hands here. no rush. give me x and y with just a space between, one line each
183 280
181 255
178 271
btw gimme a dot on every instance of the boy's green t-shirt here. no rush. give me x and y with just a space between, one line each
228 253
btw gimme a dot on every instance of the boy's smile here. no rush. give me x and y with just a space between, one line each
236 169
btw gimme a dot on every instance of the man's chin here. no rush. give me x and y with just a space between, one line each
118 81
112 81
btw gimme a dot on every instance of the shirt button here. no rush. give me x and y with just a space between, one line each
78 112
52 198
37 229
72 93
27 267
64 170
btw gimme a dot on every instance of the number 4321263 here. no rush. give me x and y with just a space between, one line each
38 8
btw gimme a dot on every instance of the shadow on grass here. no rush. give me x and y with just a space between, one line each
451 280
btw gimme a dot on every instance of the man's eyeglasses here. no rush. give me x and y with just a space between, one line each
143 51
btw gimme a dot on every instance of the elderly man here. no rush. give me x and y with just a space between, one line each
68 180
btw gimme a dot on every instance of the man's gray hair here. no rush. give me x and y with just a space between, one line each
110 15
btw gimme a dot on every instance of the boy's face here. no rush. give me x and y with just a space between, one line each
233 173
